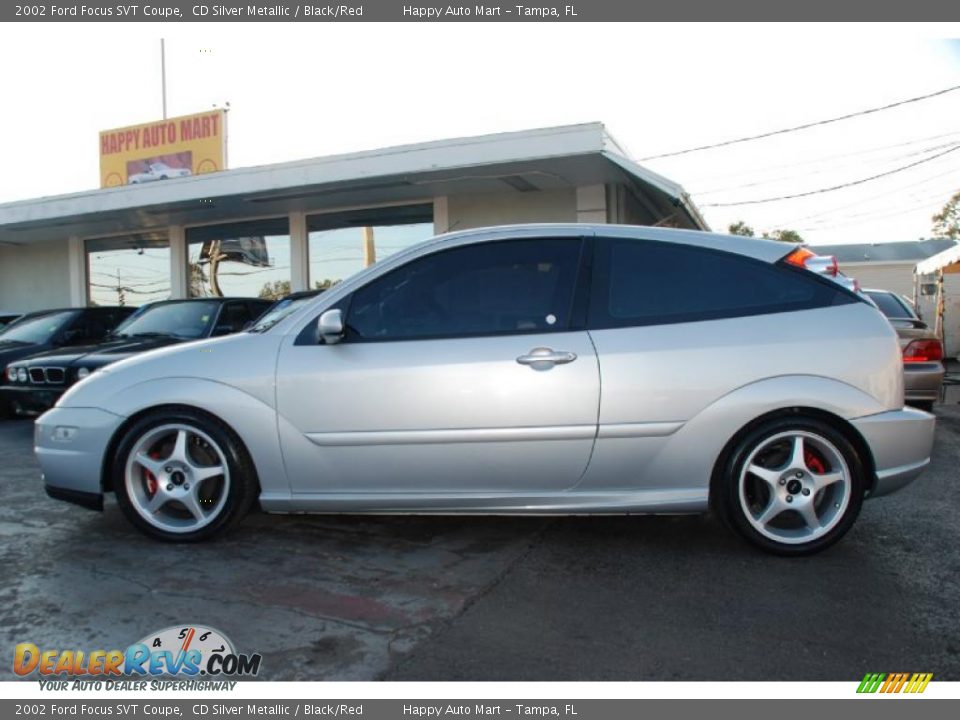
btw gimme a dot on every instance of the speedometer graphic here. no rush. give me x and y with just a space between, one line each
178 639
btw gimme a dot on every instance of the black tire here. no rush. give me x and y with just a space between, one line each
926 405
6 409
243 488
727 488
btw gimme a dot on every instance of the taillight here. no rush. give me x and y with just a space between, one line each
923 351
809 260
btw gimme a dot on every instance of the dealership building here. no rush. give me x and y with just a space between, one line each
266 230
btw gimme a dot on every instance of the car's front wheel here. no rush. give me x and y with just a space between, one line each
182 476
792 486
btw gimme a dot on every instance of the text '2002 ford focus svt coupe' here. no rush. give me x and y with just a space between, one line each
545 369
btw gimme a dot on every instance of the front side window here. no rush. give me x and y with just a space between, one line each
187 320
248 259
639 282
493 288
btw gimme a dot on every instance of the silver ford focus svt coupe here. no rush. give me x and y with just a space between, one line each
535 369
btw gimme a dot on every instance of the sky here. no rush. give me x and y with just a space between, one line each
298 91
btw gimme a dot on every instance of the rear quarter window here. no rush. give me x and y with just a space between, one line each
639 282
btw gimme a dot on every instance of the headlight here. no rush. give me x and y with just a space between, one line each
12 374
22 374
82 373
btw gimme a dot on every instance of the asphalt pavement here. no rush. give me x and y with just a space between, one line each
407 598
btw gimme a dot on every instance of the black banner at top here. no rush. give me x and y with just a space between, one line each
430 11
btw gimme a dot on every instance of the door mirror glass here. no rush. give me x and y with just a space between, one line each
330 326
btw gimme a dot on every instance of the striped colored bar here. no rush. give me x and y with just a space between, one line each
871 682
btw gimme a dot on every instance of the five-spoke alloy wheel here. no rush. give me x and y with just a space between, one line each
182 476
793 486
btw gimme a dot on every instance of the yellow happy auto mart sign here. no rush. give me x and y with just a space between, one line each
163 150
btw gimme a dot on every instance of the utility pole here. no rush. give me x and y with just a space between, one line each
163 75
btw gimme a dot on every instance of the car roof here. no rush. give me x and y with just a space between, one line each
758 248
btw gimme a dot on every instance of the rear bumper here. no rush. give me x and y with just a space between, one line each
921 381
901 442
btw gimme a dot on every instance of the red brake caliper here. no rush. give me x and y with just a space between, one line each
814 462
152 480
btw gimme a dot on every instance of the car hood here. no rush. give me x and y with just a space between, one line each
9 352
96 356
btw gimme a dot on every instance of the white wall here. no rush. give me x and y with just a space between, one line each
470 211
34 277
896 277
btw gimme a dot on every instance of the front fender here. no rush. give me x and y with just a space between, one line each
250 417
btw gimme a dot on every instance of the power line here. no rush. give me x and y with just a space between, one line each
894 191
819 191
805 126
863 163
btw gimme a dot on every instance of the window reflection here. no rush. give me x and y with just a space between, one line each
341 244
250 259
130 270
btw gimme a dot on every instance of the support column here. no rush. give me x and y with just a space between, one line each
441 215
179 278
77 269
592 204
299 253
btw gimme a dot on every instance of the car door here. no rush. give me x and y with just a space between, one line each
463 371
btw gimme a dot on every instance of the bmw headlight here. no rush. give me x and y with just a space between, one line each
12 374
82 373
22 374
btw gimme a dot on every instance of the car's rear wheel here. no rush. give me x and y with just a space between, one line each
793 486
182 476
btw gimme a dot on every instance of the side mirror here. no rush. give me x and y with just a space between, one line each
330 327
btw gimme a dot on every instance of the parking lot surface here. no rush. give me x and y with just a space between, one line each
407 598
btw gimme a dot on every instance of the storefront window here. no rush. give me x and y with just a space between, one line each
129 270
341 244
248 259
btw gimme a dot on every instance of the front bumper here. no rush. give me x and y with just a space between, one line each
70 444
901 442
32 398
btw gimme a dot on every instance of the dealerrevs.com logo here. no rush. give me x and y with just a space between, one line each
890 683
180 651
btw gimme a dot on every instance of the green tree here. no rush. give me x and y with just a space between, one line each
275 290
946 223
740 228
790 236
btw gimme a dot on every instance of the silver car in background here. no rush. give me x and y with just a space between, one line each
540 369
922 349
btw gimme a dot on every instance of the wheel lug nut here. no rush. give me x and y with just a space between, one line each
169 487
168 469
806 491
789 498
783 481
799 474
186 486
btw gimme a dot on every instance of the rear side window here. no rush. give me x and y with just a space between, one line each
640 282
890 305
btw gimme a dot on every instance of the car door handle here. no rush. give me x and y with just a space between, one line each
541 358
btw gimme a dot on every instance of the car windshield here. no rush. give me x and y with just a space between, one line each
188 319
37 330
279 311
891 306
